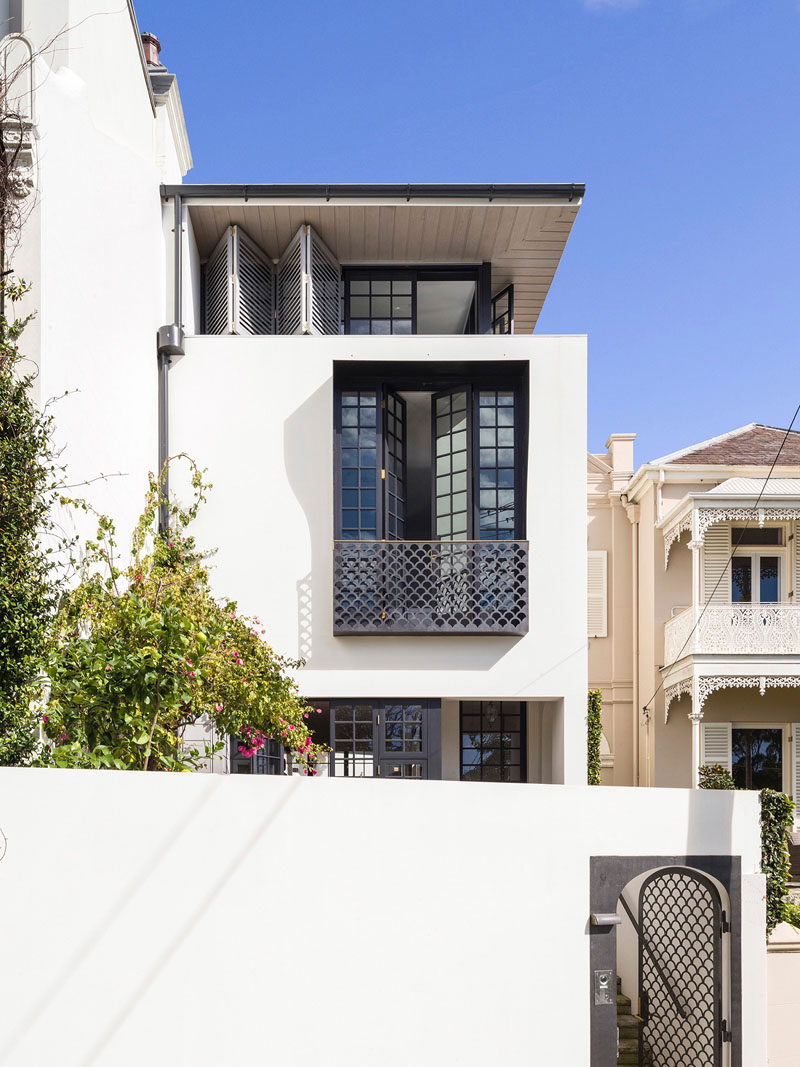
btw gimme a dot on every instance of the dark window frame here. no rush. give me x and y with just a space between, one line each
506 707
273 756
433 378
479 320
430 754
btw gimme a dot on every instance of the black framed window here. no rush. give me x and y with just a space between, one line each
468 442
358 472
493 741
429 300
496 465
269 759
379 304
386 738
757 757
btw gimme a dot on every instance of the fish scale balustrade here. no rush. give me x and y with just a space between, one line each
430 587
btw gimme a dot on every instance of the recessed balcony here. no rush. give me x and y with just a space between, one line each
733 630
430 587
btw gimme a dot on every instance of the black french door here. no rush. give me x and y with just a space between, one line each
386 738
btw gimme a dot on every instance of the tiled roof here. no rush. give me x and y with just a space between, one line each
754 445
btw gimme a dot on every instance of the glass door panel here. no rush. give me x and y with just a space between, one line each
452 449
394 466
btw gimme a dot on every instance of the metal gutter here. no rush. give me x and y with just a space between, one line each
568 192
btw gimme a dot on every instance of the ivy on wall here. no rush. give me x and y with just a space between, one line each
777 819
594 732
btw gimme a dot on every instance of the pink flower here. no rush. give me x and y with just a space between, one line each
319 711
45 718
218 707
192 674
189 663
108 668
233 615
305 714
63 735
138 577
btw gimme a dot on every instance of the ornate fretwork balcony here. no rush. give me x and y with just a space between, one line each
430 587
734 630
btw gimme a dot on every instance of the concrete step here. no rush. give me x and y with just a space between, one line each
628 1026
628 1053
623 1004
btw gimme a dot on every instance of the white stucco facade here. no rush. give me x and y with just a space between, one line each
258 413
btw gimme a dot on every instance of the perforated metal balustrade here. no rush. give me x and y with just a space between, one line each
446 587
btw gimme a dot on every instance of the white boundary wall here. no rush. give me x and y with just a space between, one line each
175 918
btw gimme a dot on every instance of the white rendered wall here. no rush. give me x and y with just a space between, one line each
94 250
257 412
460 935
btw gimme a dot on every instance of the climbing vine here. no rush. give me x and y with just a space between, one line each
594 731
140 652
777 820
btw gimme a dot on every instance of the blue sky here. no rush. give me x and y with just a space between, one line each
680 115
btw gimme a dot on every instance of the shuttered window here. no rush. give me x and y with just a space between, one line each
309 287
597 600
239 288
716 744
716 569
796 583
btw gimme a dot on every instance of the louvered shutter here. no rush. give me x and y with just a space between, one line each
291 286
796 771
252 287
309 286
716 744
796 597
716 572
219 287
597 594
324 313
239 287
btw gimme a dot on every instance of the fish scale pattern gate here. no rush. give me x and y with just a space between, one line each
414 587
680 970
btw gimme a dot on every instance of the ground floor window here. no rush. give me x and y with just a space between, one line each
493 741
270 759
757 757
382 738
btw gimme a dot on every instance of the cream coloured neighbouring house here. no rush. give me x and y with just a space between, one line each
694 572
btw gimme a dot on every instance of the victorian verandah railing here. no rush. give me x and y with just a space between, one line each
430 587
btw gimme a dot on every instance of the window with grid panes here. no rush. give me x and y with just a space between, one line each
380 305
359 465
492 741
452 461
496 465
353 740
268 760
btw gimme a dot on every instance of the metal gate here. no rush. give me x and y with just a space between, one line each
681 923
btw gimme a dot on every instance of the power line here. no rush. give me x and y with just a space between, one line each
727 565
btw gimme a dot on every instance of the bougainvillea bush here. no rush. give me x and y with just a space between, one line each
142 651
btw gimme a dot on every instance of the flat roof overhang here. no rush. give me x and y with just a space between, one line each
521 229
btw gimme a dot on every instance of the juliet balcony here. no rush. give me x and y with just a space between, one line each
733 630
430 587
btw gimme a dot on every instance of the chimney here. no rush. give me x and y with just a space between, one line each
152 49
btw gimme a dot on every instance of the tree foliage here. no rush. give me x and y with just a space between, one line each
28 585
777 820
715 776
141 652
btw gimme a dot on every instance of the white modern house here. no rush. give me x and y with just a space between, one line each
399 493
352 361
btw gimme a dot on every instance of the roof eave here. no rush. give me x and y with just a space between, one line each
566 192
